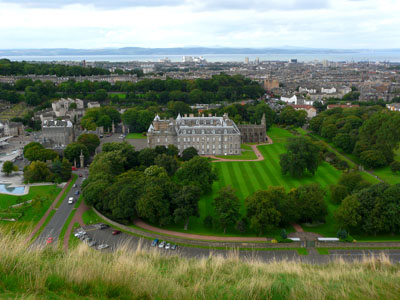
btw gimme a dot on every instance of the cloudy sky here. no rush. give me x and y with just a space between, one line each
176 23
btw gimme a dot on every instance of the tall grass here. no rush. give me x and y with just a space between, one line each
144 273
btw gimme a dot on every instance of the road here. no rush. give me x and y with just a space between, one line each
55 225
131 241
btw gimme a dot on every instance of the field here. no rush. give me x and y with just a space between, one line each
247 154
248 177
31 214
83 273
135 136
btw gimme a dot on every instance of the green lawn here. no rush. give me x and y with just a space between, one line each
136 136
386 174
248 177
31 214
247 154
90 217
120 95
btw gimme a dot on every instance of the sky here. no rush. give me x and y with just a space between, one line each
90 24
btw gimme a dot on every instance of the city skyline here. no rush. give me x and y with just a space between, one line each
343 24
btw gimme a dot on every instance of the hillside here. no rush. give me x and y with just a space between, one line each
83 273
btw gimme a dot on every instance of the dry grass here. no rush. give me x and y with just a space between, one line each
146 274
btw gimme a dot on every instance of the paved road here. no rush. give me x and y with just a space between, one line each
54 227
115 241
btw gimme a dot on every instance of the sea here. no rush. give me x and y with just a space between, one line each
366 56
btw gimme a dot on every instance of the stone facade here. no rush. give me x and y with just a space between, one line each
57 134
253 133
209 135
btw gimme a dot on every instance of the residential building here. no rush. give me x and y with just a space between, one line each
311 110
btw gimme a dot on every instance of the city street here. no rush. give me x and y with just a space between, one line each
54 227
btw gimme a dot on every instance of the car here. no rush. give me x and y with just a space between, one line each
102 246
101 136
74 186
76 193
83 237
102 226
92 243
70 200
167 246
80 233
161 245
115 232
87 240
80 175
83 179
49 240
154 243
173 247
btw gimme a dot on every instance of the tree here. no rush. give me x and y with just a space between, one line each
147 156
91 141
308 200
8 167
37 171
197 171
338 193
302 155
353 181
73 152
186 202
227 207
169 163
172 150
262 210
344 141
395 166
347 215
329 131
372 159
189 153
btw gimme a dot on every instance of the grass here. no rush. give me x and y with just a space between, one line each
248 177
121 96
32 214
323 251
302 251
136 136
144 273
90 217
74 178
73 242
247 154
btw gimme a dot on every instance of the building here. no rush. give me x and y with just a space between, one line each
210 135
253 133
348 105
13 128
270 84
393 106
93 104
331 90
62 106
57 133
309 109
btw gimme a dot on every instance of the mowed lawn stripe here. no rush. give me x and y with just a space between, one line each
233 181
261 177
248 173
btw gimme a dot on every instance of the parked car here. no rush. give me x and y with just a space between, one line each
80 233
115 232
76 193
161 245
173 247
102 226
49 240
154 243
102 246
167 246
71 200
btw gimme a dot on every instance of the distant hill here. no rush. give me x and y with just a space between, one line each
169 51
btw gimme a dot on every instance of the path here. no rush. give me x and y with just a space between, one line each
303 235
348 158
52 206
146 226
260 157
76 219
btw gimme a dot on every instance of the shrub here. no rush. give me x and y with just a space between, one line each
342 234
283 234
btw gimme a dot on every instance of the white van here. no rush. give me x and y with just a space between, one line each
71 200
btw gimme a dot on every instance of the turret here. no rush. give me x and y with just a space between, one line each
263 121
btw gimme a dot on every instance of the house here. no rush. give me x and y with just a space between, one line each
393 106
311 110
93 104
13 129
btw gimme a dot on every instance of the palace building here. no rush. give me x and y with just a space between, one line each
210 135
